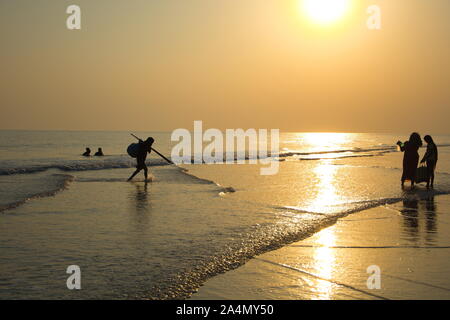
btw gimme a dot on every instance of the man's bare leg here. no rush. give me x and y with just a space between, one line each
146 174
134 174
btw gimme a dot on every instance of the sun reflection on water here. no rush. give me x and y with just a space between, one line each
326 197
325 141
326 191
324 264
324 258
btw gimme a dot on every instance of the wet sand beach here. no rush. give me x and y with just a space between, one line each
409 241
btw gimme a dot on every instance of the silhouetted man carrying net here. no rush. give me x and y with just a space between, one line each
140 151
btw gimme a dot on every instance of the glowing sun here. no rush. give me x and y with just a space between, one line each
325 11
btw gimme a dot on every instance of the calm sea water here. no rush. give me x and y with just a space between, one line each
163 239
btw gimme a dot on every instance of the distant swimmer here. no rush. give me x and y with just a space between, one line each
142 149
431 158
99 153
87 153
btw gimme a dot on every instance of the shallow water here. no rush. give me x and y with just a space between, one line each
163 239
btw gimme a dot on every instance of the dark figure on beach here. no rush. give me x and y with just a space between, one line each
144 148
410 157
99 153
431 158
87 153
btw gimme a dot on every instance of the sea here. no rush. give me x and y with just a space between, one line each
163 239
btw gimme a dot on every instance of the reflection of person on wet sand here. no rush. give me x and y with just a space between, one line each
141 197
431 158
430 215
415 210
410 157
410 218
141 209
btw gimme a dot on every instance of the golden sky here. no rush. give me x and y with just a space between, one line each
161 64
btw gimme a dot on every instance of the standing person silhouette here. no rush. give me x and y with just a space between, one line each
144 148
410 157
431 158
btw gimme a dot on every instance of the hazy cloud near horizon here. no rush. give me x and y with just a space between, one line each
161 64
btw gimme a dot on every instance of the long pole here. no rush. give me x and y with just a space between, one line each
162 156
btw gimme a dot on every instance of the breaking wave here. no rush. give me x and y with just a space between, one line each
60 183
76 165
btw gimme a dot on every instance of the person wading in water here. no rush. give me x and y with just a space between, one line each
144 148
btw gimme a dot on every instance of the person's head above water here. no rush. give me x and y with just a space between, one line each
99 152
87 153
428 139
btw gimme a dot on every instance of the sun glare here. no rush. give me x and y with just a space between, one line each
325 12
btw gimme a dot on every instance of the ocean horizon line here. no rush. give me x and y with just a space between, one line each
169 131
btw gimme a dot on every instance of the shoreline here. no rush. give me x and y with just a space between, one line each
408 241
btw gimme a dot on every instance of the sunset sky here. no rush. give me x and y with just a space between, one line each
159 65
